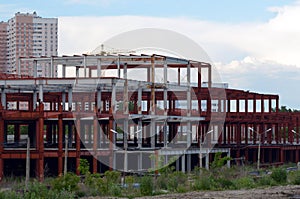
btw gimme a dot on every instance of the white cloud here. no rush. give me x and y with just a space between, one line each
257 56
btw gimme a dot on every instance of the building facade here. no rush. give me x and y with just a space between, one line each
27 35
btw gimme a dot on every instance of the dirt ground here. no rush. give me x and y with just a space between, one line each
278 192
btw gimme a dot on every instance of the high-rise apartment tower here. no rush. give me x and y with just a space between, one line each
27 35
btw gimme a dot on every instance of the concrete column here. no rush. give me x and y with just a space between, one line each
99 102
70 100
189 160
209 76
140 161
177 164
3 98
41 93
189 106
228 162
207 161
77 143
98 68
34 68
119 68
63 96
84 65
140 128
165 103
183 163
152 132
64 70
19 66
51 67
60 145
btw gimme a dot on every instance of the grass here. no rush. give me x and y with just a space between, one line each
169 181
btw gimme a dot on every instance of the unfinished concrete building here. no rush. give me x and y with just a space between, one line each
104 114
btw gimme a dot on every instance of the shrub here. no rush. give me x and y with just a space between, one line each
68 182
175 179
115 190
294 177
146 186
36 190
219 161
224 183
204 183
265 181
112 177
244 183
10 195
279 175
84 166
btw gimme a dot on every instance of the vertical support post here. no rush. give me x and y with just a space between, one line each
152 102
119 67
64 70
3 98
126 112
84 65
66 155
60 145
262 104
51 67
189 106
27 164
70 100
35 68
95 142
41 93
178 77
41 143
199 90
189 160
99 102
19 66
209 76
63 96
228 161
2 129
165 102
139 104
99 68
207 161
277 104
254 104
183 163
34 100
77 143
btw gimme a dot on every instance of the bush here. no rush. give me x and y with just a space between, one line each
204 183
68 182
115 190
224 183
294 177
112 177
265 181
10 195
84 166
244 183
36 190
279 175
146 186
175 179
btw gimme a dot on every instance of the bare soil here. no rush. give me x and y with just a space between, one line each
277 192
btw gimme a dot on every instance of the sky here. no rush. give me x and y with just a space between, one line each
255 45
